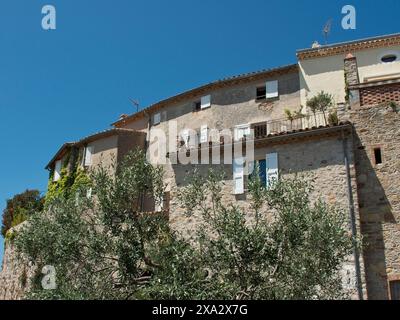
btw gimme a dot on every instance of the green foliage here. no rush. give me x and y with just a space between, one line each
320 102
282 247
292 249
73 178
19 208
333 118
102 250
393 106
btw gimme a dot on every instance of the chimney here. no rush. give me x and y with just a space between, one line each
352 79
351 70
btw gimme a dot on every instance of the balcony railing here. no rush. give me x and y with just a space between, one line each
264 129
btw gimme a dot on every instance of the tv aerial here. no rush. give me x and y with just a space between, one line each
135 103
327 30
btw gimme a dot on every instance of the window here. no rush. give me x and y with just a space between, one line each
205 102
197 105
395 290
57 171
156 118
241 132
203 134
261 93
185 136
389 56
378 156
262 173
272 89
88 156
272 170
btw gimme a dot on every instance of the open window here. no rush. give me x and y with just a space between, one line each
378 156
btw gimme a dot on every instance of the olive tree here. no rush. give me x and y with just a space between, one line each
281 246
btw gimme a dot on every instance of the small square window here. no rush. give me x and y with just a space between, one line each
395 290
197 105
261 93
157 118
378 156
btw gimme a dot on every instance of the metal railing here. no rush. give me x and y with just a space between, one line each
263 129
266 128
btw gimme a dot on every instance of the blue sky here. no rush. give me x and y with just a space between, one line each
60 85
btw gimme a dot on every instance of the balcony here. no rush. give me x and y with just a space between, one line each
279 126
262 130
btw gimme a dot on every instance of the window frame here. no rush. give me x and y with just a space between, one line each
389 53
57 170
239 127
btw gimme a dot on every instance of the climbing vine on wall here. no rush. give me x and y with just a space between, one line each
72 178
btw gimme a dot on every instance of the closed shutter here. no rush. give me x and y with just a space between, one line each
272 171
203 134
272 89
206 102
238 176
88 156
57 171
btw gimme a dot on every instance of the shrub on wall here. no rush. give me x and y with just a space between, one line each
20 207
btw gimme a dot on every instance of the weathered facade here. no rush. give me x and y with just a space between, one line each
354 160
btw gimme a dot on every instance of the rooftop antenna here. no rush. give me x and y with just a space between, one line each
135 103
327 30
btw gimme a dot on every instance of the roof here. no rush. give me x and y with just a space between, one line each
350 46
88 139
205 89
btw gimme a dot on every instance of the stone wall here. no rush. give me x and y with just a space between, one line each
379 194
15 274
319 158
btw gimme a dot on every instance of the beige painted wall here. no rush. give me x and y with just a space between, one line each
327 73
105 151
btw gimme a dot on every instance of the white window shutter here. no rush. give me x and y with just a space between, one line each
272 89
206 102
157 118
238 176
57 170
185 137
241 131
88 155
272 168
203 134
89 193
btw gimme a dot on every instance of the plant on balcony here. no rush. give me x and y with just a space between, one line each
290 116
333 118
394 106
320 102
293 115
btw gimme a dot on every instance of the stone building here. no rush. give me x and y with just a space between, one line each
354 159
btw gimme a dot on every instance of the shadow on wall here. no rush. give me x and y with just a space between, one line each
375 210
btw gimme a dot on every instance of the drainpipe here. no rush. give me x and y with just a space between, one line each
352 218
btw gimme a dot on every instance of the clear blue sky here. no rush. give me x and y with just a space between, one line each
57 86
